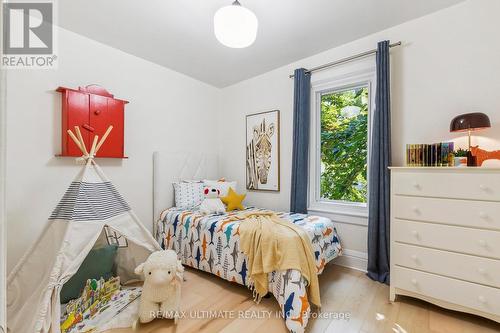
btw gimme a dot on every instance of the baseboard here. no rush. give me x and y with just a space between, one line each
352 259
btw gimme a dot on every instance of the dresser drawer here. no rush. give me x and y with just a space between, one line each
461 266
484 243
476 214
452 184
467 294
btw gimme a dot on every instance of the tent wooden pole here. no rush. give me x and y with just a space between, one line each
75 140
104 137
80 137
94 144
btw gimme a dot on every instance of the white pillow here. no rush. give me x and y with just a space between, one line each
188 195
222 186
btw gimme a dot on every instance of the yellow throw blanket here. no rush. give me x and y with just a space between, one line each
273 244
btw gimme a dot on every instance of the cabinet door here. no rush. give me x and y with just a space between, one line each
105 111
77 114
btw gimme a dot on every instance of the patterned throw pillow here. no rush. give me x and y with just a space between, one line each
188 194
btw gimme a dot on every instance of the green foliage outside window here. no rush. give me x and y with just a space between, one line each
344 134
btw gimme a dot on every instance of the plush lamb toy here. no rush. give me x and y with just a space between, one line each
212 203
161 292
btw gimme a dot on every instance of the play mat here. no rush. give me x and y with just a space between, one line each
98 304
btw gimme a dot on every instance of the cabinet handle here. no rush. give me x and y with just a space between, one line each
482 299
482 243
414 282
483 187
416 185
416 210
415 234
414 257
481 271
88 127
96 112
483 215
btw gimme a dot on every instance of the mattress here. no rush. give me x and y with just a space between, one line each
211 243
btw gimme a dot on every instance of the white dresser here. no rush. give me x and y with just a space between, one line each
445 237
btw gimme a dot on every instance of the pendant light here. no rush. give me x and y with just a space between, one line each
235 26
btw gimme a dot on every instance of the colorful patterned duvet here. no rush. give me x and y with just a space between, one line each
211 243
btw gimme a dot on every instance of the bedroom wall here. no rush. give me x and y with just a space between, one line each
448 65
161 115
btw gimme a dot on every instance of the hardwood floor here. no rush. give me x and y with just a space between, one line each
343 290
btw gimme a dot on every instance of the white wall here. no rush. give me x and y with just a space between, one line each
167 111
448 65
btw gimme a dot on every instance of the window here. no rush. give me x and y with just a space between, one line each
344 144
340 143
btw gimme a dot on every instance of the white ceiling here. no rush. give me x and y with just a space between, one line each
178 34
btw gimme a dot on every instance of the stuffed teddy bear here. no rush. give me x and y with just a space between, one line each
212 203
161 292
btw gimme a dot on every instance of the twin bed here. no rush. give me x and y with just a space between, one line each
211 242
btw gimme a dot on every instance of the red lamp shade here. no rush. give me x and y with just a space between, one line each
470 122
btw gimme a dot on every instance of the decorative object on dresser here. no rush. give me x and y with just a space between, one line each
484 155
425 155
467 123
94 109
460 157
263 151
445 232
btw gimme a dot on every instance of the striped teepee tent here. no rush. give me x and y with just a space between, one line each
90 213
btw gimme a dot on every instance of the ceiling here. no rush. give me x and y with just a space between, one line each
178 34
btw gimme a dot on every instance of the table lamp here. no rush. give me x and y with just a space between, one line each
470 122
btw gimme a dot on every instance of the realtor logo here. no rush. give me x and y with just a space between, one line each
28 35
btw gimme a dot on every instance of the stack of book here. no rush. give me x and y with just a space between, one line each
422 155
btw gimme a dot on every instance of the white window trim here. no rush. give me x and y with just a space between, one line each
316 204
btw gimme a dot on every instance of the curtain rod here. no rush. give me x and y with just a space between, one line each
344 60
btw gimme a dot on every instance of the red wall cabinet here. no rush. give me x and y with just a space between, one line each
93 109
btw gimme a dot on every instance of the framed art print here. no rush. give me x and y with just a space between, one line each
263 151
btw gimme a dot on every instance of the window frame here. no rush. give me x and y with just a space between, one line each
360 78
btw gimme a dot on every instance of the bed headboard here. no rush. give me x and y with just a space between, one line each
169 167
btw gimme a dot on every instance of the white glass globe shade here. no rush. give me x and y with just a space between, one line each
235 26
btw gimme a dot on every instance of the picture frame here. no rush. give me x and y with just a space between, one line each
262 158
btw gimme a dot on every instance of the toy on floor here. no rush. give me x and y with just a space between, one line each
161 292
95 296
212 203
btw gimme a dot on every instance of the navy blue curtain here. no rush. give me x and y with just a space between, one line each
379 176
300 156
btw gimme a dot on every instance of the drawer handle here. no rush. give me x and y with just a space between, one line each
482 299
414 257
415 234
483 215
484 188
88 127
416 210
482 243
96 112
481 271
414 282
416 185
